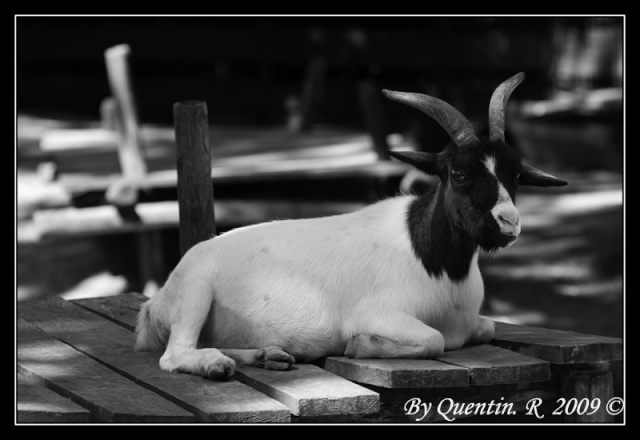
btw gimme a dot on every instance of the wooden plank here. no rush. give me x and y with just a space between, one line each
489 365
399 373
106 219
210 401
38 404
360 166
122 309
109 396
310 391
556 346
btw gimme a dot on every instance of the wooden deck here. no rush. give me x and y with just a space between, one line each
75 364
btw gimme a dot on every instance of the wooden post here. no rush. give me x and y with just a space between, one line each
109 114
119 74
120 112
195 189
374 117
311 93
587 385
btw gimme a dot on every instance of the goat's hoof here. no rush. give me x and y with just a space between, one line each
220 368
484 331
274 358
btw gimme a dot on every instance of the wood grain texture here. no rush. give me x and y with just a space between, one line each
489 365
111 344
38 404
70 373
122 309
586 386
195 189
309 391
398 373
556 346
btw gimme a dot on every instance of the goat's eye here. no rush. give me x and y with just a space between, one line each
458 176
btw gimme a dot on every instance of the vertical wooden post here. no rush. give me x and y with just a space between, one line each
195 190
109 114
119 74
589 385
120 112
374 117
311 93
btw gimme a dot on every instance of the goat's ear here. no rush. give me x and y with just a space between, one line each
534 177
430 163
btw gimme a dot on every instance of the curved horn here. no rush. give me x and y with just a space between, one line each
498 106
454 122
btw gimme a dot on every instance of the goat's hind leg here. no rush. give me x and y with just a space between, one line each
182 353
395 337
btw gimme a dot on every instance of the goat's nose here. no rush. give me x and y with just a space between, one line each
510 216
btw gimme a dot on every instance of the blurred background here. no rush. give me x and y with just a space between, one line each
298 128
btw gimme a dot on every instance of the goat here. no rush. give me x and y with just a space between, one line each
397 279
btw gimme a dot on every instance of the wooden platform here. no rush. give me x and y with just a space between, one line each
75 364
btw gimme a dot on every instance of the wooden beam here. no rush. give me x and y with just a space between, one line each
311 96
556 346
210 401
106 219
121 309
38 404
310 391
489 365
130 146
584 388
353 167
72 374
195 189
108 114
398 373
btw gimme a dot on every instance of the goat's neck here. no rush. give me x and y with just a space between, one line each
443 248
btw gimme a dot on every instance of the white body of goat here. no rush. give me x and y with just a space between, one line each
309 286
398 279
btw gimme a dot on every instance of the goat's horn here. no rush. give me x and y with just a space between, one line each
498 106
454 122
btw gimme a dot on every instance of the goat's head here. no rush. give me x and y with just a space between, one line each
479 177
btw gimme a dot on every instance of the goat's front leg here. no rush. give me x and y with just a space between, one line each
271 358
399 336
483 332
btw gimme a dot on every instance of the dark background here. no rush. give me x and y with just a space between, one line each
246 67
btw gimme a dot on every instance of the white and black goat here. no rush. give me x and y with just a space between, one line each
398 279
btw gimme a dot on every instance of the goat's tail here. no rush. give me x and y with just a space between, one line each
149 337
